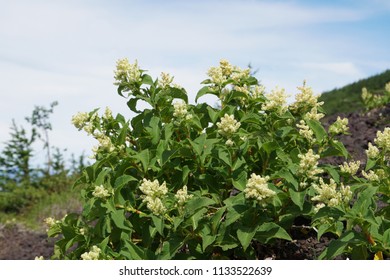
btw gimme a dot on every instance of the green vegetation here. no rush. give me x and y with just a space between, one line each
28 194
183 181
348 98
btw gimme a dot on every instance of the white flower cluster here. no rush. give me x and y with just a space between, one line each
276 100
101 192
371 176
340 126
182 196
372 151
305 101
80 119
180 111
228 125
308 164
257 188
383 139
314 115
225 71
258 91
126 72
387 87
305 131
329 195
165 80
91 255
350 168
216 75
50 221
105 144
107 114
40 258
153 193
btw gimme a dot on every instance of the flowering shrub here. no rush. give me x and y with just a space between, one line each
182 181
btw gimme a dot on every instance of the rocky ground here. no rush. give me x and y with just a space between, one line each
18 243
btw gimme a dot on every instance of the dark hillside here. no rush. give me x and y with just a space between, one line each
347 99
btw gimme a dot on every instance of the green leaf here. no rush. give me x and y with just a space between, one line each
240 179
224 155
123 180
197 203
178 93
317 128
297 197
337 247
288 176
144 157
159 224
213 114
203 91
245 235
170 248
133 251
268 231
147 80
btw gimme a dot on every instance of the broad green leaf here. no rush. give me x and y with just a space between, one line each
297 197
204 90
197 203
268 231
317 128
178 93
337 247
245 235
240 180
123 180
170 247
213 114
159 224
144 157
224 155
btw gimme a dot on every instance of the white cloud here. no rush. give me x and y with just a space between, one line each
347 69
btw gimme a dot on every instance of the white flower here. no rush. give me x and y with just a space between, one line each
155 205
340 126
308 164
107 114
329 195
105 143
126 72
257 188
314 115
40 258
153 189
350 167
383 139
228 125
165 80
100 192
305 100
372 151
239 75
92 255
229 143
305 131
182 196
371 176
226 67
258 91
216 75
276 100
387 87
80 119
180 109
50 221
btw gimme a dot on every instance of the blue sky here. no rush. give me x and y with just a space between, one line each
66 50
